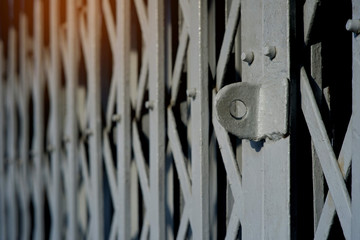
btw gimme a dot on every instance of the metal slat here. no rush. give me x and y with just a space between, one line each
198 78
252 228
355 189
328 211
157 118
123 104
70 57
318 176
94 100
54 129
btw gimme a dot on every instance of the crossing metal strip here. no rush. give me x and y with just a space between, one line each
326 155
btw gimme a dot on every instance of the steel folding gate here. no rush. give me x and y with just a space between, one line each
109 124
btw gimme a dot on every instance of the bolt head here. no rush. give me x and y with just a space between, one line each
116 118
191 93
247 57
270 51
149 105
238 109
353 26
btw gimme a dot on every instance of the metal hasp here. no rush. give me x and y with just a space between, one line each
254 111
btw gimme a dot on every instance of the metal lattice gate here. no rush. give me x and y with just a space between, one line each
115 118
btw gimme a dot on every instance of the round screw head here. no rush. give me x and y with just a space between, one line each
149 105
191 93
247 57
88 132
353 26
270 51
238 109
116 118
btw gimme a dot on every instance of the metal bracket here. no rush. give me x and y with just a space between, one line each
254 111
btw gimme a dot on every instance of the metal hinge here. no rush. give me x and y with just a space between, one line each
254 111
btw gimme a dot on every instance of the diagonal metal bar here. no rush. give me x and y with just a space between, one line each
328 211
178 157
326 155
228 42
310 8
85 173
140 163
184 223
63 48
145 228
110 170
143 80
110 24
84 38
111 103
233 226
185 8
143 19
114 226
179 62
228 156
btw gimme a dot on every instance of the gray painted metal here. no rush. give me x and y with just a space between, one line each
162 128
254 111
326 155
355 191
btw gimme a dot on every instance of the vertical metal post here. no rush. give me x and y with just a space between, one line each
355 225
266 164
3 224
25 126
71 131
199 118
12 134
253 177
157 118
276 155
213 194
94 33
55 128
123 104
38 96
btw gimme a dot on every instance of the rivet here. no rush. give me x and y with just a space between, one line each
88 132
116 118
149 105
191 93
247 57
270 51
353 26
238 109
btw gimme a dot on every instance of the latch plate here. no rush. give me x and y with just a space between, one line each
254 111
